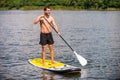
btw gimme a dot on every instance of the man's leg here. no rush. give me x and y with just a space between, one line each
51 53
43 54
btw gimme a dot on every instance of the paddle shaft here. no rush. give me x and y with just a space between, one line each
59 34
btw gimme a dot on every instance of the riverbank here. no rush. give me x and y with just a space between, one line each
56 8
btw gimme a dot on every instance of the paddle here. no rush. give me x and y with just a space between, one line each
81 59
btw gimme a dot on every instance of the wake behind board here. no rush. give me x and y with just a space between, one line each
57 67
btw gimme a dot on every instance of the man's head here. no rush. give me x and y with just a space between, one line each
47 11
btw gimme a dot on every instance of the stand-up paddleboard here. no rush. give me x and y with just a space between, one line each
56 67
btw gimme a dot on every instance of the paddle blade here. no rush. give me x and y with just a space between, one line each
81 59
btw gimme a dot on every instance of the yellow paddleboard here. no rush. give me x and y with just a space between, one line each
56 67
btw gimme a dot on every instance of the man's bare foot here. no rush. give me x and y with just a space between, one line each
53 62
43 64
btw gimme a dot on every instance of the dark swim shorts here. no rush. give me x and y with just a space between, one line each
46 38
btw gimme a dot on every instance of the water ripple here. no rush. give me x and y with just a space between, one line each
93 34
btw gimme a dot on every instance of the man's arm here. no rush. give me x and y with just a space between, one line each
38 19
55 26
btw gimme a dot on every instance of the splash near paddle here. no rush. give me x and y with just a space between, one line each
56 67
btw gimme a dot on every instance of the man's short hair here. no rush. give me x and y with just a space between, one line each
45 8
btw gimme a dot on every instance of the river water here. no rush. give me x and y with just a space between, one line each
94 35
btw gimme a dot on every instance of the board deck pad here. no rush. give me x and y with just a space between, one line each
56 67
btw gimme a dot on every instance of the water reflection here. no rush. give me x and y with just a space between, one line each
45 76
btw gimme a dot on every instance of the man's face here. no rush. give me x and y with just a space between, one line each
47 12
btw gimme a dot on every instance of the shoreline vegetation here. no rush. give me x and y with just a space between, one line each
110 5
57 8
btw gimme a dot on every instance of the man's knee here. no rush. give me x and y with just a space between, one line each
50 46
43 48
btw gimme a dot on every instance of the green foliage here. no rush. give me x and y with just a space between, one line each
82 4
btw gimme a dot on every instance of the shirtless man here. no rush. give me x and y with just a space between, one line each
46 33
